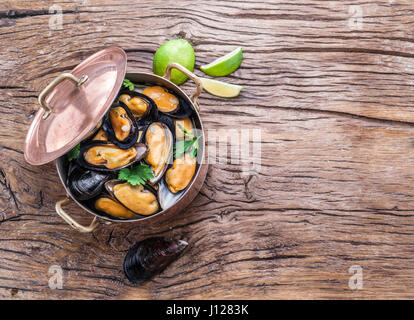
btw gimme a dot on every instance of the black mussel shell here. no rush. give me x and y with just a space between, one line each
165 197
144 123
133 136
165 119
141 148
150 256
91 205
152 107
73 165
170 140
86 184
109 186
93 132
184 110
152 115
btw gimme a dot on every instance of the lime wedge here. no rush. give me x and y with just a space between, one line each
225 65
220 88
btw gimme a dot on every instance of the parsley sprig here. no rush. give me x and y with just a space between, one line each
136 175
128 84
183 146
73 154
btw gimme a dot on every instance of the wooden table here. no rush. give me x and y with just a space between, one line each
331 86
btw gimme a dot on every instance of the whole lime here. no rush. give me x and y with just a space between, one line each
177 50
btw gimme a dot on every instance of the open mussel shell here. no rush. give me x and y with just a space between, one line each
85 184
184 110
100 135
105 156
185 123
160 141
108 205
176 180
151 256
140 104
140 199
94 130
152 115
181 173
168 121
166 198
168 102
120 126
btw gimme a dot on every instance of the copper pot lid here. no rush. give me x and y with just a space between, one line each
73 104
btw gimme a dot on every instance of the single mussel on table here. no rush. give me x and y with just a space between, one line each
151 256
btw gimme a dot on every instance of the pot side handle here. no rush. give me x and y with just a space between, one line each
71 221
190 75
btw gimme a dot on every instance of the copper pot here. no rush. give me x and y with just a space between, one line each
136 77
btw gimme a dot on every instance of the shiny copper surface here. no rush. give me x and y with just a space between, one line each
76 109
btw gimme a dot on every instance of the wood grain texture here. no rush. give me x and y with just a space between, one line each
335 106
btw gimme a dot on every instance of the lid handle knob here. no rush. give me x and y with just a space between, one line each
64 76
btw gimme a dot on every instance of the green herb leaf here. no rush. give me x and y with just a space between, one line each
194 150
73 154
183 146
128 84
136 175
186 133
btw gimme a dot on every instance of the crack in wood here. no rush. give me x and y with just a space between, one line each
18 14
6 185
343 50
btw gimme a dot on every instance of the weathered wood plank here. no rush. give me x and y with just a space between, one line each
334 189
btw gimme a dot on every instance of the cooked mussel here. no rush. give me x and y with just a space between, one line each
179 176
140 199
111 206
94 130
139 104
105 156
165 197
159 139
120 126
168 102
100 136
186 124
86 184
168 121
151 256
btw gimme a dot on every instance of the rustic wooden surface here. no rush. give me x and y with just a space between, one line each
335 189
